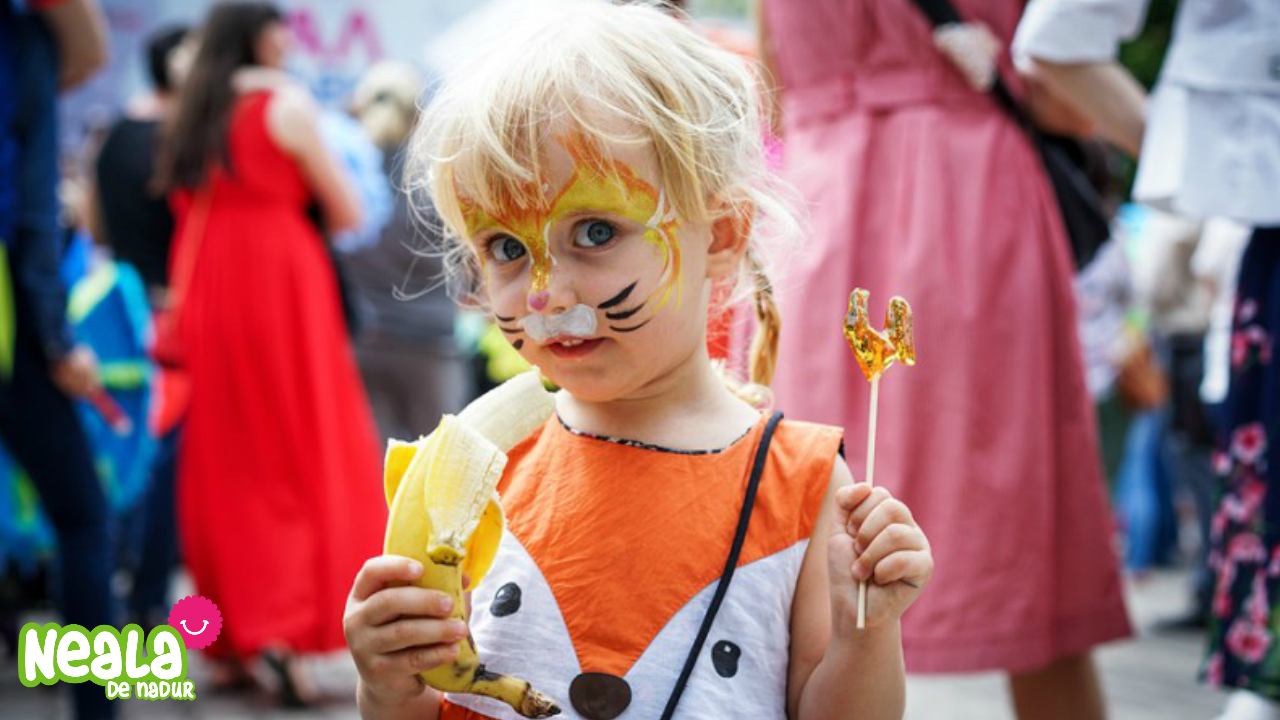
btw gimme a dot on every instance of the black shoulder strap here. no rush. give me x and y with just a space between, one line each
744 520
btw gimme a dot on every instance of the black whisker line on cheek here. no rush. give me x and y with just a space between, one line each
633 328
624 314
510 331
518 343
619 298
499 318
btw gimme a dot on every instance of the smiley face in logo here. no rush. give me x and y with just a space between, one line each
197 619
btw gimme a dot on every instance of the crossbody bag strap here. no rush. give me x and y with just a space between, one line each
731 563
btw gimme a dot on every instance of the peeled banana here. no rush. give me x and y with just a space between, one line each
446 514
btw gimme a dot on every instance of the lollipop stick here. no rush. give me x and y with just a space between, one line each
871 480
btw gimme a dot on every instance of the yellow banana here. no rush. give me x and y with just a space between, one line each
445 513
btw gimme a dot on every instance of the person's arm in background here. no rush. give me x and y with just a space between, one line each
81 33
772 90
1070 45
37 244
293 122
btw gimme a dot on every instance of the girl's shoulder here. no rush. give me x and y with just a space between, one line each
797 476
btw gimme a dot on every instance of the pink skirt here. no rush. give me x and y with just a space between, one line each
990 439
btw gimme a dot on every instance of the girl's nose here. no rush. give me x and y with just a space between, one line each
554 295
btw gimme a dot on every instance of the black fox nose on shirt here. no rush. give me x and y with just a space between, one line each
599 696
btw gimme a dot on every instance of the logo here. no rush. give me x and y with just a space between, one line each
119 660
125 662
197 619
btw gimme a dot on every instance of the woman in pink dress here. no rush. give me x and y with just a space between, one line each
919 185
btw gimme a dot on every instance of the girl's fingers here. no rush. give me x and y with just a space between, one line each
894 538
413 632
380 571
910 566
414 660
848 496
392 603
858 514
881 516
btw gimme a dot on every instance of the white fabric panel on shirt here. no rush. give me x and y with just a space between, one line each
532 642
751 635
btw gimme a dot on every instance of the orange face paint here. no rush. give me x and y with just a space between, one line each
598 185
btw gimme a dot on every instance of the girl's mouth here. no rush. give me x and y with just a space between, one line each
573 347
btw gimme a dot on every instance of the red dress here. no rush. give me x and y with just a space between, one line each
280 497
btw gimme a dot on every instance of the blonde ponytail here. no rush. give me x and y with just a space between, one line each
764 346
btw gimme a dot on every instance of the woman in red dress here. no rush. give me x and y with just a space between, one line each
279 487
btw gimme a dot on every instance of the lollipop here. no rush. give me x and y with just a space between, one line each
875 351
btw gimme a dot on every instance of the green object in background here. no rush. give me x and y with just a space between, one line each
1113 429
502 362
8 324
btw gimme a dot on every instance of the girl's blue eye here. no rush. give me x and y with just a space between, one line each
593 233
505 249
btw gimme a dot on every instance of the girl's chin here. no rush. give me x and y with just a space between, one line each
589 387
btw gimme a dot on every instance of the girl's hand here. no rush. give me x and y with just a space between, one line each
875 539
396 631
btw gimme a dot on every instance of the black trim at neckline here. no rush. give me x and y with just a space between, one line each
656 448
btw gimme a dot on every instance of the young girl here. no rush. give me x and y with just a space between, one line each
601 170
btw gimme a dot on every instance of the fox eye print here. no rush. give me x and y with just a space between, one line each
506 601
724 658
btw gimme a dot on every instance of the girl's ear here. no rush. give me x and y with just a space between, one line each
729 235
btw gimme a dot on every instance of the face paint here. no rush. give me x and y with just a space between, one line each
597 185
578 321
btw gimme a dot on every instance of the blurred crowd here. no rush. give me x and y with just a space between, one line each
216 311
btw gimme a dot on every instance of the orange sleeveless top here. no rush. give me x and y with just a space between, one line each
611 555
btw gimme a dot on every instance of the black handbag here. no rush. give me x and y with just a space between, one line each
1083 214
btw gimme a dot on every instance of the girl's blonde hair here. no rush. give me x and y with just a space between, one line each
585 65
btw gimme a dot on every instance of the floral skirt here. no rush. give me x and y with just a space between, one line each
1244 651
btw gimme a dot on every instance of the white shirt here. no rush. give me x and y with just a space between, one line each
1212 144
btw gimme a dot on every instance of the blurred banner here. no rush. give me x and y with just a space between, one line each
334 42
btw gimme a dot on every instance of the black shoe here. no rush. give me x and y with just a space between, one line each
288 684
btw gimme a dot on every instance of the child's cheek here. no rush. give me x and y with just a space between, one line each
507 294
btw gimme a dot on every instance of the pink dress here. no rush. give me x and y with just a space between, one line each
919 186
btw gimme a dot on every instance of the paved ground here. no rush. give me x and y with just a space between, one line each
1150 678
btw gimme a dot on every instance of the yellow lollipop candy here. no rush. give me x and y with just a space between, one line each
876 350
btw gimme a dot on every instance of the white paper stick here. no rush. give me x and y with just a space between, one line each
871 481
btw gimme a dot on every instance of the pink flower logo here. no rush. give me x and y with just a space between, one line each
1248 641
1248 443
1257 606
197 619
1247 548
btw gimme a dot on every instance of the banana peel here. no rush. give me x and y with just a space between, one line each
446 514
